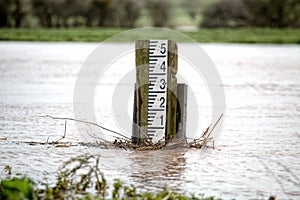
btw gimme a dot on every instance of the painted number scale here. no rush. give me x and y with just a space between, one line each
157 93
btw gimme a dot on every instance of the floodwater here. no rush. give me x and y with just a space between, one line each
257 155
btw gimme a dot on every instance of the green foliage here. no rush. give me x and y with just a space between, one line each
130 191
117 186
259 13
66 13
80 178
78 175
273 13
160 11
13 12
16 188
226 13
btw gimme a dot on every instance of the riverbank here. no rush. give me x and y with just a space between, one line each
238 35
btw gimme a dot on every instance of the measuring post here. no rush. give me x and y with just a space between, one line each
172 90
157 90
155 107
141 91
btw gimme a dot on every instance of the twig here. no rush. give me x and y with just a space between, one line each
202 141
65 132
213 128
86 122
204 135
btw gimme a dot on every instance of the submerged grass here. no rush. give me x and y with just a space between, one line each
81 178
218 35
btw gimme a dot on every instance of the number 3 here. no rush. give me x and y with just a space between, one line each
163 84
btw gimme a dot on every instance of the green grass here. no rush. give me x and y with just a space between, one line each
63 34
248 35
238 35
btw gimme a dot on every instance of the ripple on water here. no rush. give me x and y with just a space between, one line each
257 156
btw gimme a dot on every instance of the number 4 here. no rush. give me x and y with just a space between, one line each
163 66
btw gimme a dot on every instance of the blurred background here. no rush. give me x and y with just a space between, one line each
182 14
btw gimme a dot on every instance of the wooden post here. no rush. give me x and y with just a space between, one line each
135 128
142 72
181 110
172 90
141 94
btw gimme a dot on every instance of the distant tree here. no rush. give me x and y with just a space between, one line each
160 11
128 12
13 12
70 10
273 13
44 11
19 9
260 13
55 12
74 12
60 12
89 13
100 10
4 13
192 7
226 13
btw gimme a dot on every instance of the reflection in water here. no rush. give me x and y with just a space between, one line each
158 172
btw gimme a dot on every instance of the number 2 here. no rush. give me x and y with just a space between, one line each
162 99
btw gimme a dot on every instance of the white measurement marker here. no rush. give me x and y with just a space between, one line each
157 94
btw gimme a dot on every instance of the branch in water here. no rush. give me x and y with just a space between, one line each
86 122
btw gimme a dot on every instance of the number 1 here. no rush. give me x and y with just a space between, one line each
161 120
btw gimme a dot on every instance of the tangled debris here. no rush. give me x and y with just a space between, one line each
124 142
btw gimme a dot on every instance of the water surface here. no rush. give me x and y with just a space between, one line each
257 154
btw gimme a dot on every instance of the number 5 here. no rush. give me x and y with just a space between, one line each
163 48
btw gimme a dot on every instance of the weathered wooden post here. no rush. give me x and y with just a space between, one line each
181 110
172 90
155 103
142 73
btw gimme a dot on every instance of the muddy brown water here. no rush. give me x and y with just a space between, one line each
257 154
